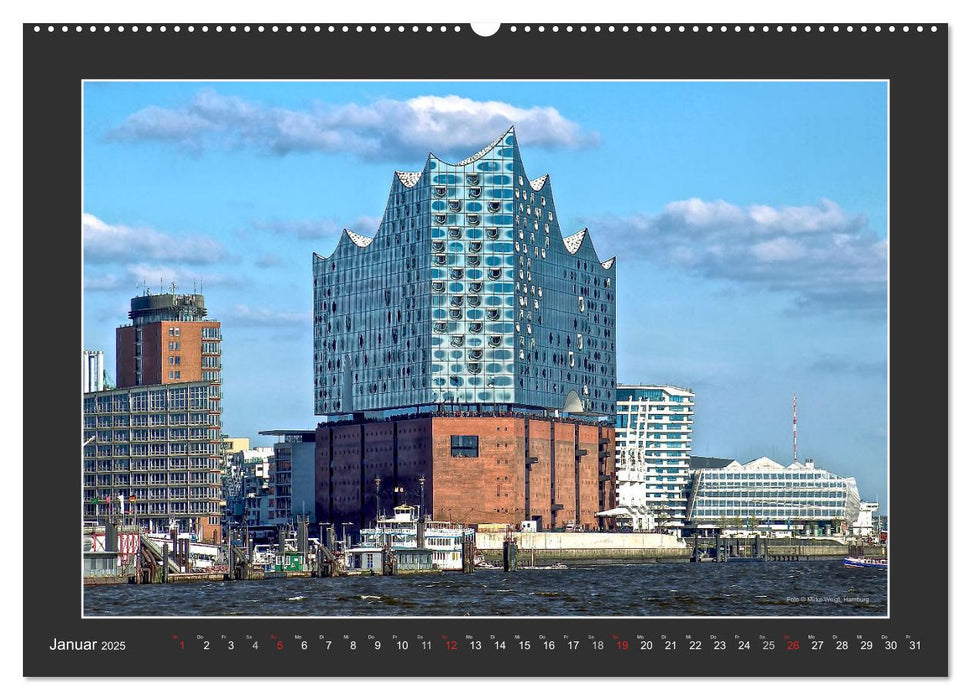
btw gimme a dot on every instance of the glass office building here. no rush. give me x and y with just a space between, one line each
468 294
763 493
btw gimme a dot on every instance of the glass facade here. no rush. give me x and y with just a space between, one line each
467 294
767 492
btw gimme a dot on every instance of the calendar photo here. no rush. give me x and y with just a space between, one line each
572 348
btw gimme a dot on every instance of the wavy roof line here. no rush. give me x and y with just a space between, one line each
575 241
357 239
572 243
478 154
537 184
408 179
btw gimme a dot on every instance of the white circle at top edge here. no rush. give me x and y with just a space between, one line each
485 28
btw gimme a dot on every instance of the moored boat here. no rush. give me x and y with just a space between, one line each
443 540
864 563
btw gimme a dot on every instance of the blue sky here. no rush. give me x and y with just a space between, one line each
749 221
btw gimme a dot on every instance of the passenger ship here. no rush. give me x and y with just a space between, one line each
444 539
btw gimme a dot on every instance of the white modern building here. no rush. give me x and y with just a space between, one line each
653 443
765 495
92 371
864 526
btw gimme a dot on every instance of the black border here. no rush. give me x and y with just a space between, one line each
915 63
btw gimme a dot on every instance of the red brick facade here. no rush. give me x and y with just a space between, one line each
565 477
162 348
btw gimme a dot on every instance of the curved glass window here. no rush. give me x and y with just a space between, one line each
475 287
472 261
475 327
475 192
472 179
454 205
492 314
495 273
492 233
475 354
441 192
456 301
457 274
458 341
495 341
455 314
472 219
475 246
494 206
438 246
440 326
440 259
440 218
474 367
473 301
454 232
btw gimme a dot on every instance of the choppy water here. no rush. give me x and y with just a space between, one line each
756 588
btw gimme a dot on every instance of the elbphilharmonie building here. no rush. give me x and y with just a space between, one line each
467 294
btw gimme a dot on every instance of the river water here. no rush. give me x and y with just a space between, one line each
668 589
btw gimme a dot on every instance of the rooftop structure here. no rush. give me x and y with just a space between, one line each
468 294
170 340
152 308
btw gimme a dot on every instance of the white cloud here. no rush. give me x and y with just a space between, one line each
303 229
385 129
243 315
135 277
822 256
315 229
118 243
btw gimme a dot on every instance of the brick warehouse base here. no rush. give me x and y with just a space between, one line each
503 468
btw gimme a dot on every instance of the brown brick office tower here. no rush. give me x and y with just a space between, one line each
469 342
169 341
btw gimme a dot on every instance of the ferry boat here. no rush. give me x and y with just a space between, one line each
400 531
864 563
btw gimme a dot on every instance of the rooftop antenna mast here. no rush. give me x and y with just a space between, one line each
794 452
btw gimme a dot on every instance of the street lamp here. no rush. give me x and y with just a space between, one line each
421 487
377 499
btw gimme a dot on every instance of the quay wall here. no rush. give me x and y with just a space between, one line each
552 547
580 540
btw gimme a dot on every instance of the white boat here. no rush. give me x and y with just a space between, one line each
865 563
202 556
400 531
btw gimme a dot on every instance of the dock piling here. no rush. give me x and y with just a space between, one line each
509 555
